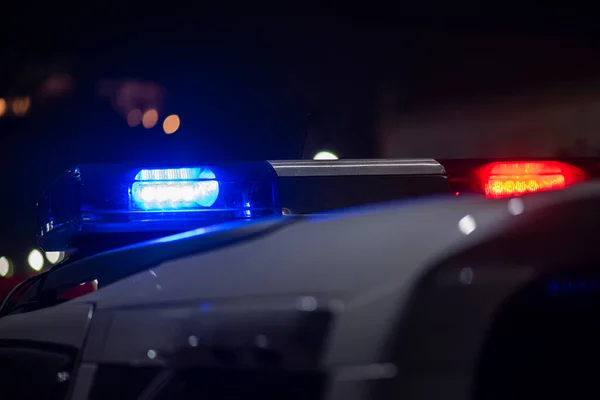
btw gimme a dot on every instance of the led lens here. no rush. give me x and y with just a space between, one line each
174 174
508 179
175 189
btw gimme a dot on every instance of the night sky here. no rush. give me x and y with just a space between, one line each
246 86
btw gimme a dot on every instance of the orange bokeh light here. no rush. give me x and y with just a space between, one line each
150 118
171 124
20 105
134 118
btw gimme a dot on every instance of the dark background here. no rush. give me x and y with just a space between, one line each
254 84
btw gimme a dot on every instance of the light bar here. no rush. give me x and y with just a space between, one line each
92 199
509 179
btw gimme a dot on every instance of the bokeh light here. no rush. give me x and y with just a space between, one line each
2 107
54 256
171 124
36 260
57 85
150 118
325 155
134 118
20 105
4 266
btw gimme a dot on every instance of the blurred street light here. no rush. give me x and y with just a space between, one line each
35 260
134 118
131 94
54 256
2 107
325 155
4 266
171 124
20 105
56 85
150 118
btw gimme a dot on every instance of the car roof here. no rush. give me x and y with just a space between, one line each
347 254
367 261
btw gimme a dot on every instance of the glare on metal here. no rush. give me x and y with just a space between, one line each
467 224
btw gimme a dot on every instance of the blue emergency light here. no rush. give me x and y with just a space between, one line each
175 189
91 199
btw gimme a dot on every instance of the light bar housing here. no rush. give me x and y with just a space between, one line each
318 186
100 199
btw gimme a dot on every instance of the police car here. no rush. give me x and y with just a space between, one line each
244 281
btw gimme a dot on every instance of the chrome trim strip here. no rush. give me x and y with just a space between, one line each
301 168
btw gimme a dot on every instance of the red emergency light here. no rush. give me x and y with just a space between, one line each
509 179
